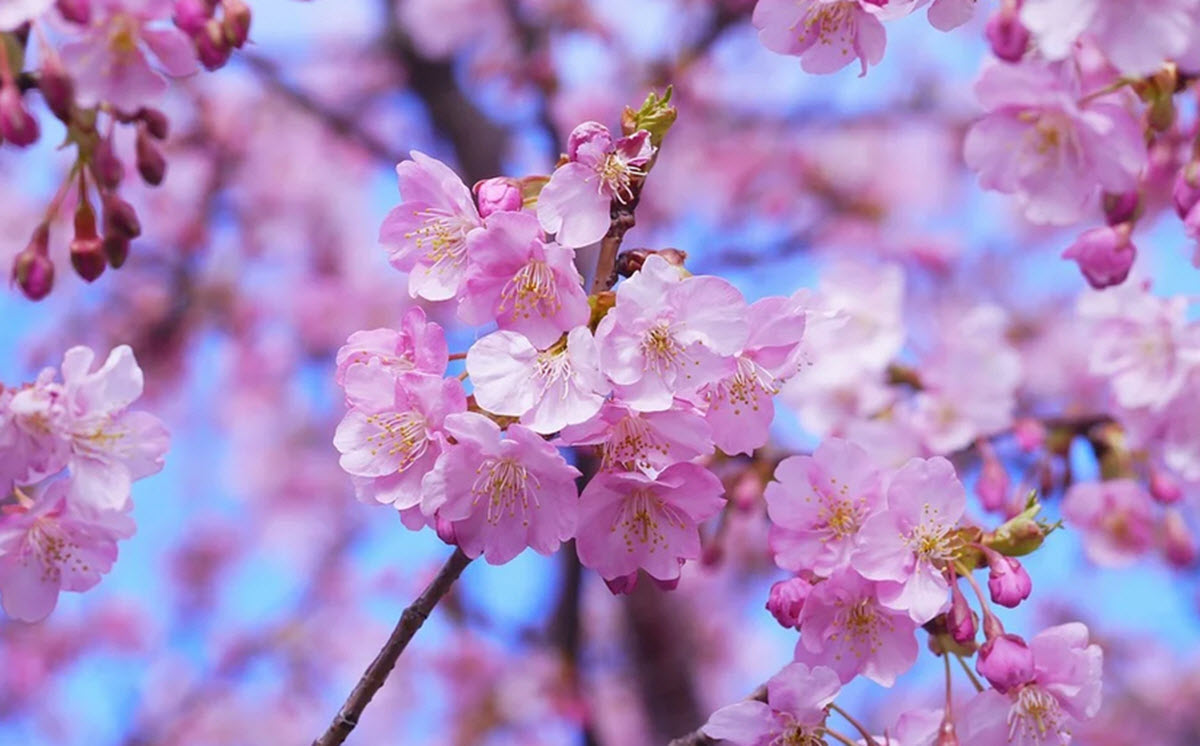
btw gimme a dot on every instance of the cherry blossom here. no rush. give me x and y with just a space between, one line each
793 713
826 35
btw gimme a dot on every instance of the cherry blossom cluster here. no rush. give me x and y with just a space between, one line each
70 451
99 64
653 376
878 553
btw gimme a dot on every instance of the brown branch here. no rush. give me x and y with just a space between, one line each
376 674
622 220
345 125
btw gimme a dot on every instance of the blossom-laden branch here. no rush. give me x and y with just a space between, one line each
376 674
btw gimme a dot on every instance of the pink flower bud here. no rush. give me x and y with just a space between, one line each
787 600
1122 208
1164 488
17 125
960 620
1006 662
107 168
588 133
1008 582
1186 192
498 195
87 250
212 48
32 269
236 22
1007 36
56 86
76 11
1105 255
1179 544
150 161
993 484
1030 434
445 530
191 15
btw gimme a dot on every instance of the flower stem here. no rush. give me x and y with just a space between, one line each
857 725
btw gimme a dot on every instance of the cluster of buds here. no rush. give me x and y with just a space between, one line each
215 37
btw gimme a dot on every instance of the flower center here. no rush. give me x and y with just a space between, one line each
931 539
630 443
640 519
443 238
47 542
532 288
1035 715
826 21
554 370
616 176
797 734
122 40
402 434
858 626
744 389
507 487
661 350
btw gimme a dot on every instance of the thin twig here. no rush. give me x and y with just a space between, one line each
970 674
697 737
857 725
376 674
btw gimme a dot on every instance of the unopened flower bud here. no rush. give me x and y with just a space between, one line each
107 168
1179 544
120 219
191 16
1105 255
500 194
960 620
56 86
993 484
32 269
1186 192
156 122
87 250
1008 582
150 161
116 250
1007 36
786 600
1123 207
211 47
1164 488
76 11
236 22
17 125
445 530
1006 662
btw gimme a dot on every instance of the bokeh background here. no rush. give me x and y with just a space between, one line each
256 588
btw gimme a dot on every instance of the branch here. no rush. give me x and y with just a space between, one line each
376 674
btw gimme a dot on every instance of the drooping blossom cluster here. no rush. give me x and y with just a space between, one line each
70 451
100 64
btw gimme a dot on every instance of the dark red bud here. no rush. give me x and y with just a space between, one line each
17 125
191 15
120 219
156 122
211 46
87 250
116 250
56 87
150 161
32 269
107 168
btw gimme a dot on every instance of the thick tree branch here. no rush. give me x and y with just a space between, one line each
376 674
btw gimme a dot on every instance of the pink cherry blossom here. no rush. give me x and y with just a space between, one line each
502 494
946 15
1006 662
1137 36
574 204
844 626
668 335
548 390
818 504
786 600
110 63
629 520
793 713
418 346
649 441
111 447
1115 517
1063 690
426 235
740 407
1039 141
392 435
51 544
912 540
826 35
520 281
